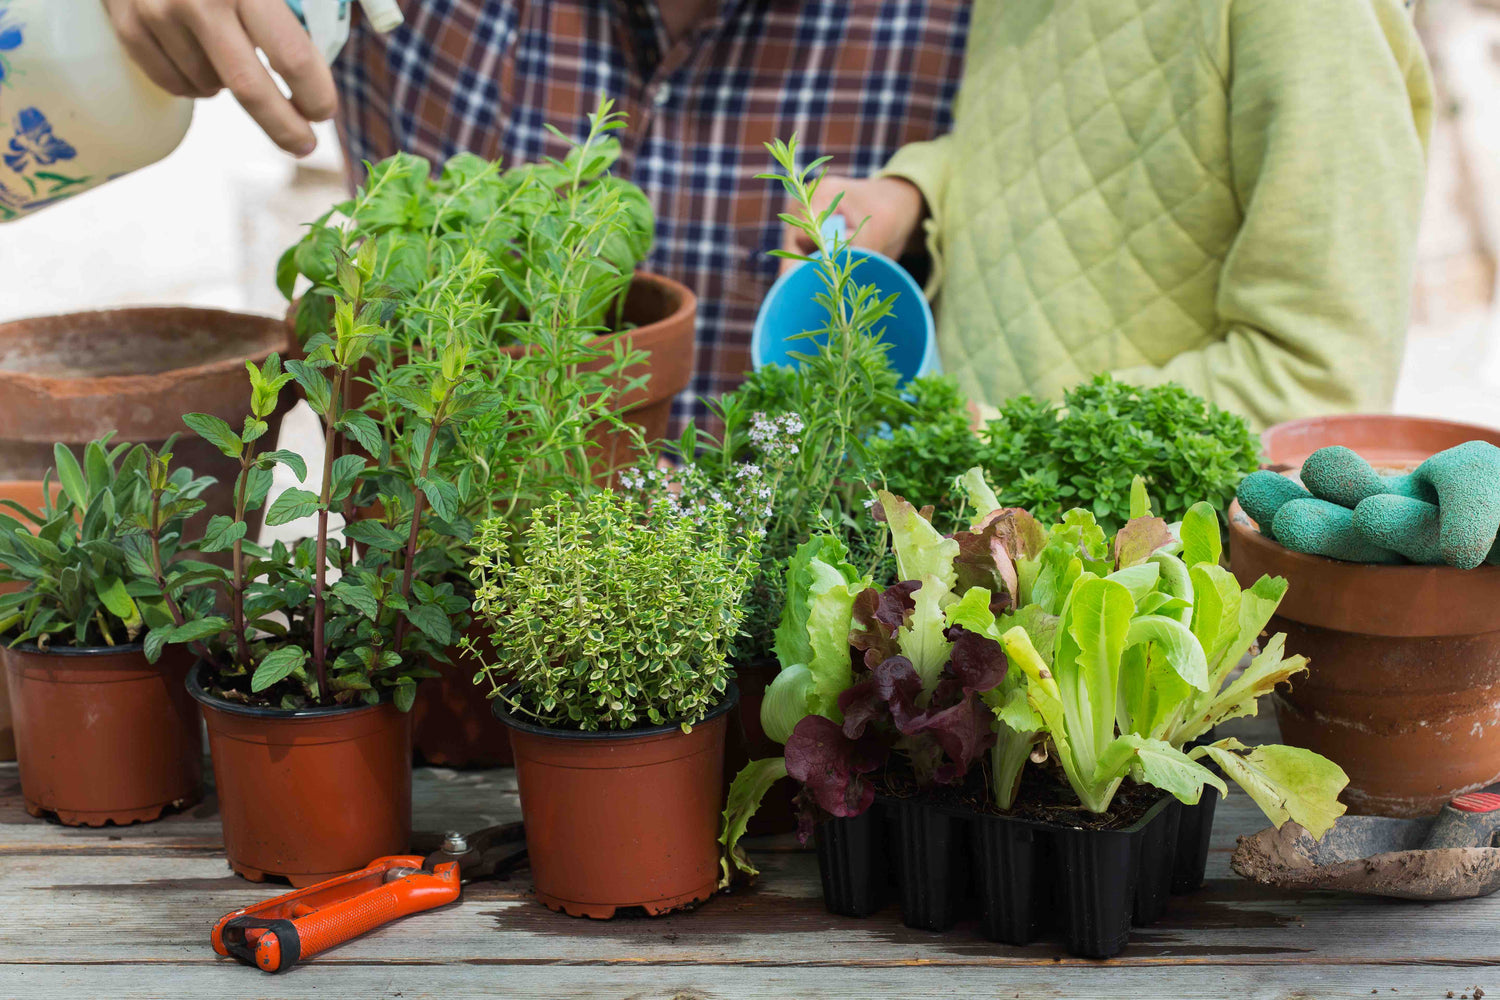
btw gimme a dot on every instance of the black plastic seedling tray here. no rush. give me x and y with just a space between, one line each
1023 879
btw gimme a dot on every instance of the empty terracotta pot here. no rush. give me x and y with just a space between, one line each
621 819
451 721
310 794
102 735
76 376
1403 689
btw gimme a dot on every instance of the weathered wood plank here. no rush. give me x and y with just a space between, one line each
720 982
158 908
126 912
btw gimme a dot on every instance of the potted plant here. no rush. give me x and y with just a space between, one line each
611 623
1119 658
27 493
103 735
563 240
535 267
306 678
1408 656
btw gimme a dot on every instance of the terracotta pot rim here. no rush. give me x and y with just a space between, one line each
502 712
1240 523
203 697
66 651
1270 434
165 376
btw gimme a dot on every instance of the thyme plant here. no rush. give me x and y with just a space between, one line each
611 614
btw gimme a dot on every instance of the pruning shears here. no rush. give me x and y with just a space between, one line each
278 933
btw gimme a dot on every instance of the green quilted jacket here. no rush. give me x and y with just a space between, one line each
1220 193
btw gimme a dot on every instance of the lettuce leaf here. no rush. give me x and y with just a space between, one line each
1156 763
817 563
745 794
1286 782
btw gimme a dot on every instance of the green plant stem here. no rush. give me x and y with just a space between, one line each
320 578
237 586
157 572
417 503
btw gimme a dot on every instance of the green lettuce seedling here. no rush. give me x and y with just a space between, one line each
1119 677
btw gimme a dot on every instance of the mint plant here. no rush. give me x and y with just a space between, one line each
525 268
525 220
86 572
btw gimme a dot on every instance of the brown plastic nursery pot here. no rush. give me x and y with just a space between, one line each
102 735
451 721
77 376
27 493
621 819
309 794
1404 683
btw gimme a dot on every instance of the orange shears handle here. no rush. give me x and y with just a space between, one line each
279 932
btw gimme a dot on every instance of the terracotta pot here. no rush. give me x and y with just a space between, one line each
77 376
664 313
1382 438
1403 687
451 721
621 819
310 794
27 493
747 741
103 736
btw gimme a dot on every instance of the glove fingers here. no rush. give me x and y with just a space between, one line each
1402 525
1317 527
1467 482
1261 495
1339 475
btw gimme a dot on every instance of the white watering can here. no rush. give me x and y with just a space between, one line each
75 111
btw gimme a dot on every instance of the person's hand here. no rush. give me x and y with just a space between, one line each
195 48
892 210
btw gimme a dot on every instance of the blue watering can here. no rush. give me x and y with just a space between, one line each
791 308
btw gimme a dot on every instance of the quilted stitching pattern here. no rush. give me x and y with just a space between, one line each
1103 124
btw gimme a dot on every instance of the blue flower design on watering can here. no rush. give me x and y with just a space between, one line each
10 40
35 143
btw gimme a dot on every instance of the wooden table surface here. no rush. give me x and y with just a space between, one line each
125 912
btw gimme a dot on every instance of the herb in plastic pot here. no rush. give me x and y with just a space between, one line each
296 636
83 558
607 614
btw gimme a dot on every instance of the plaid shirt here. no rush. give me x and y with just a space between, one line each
855 79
